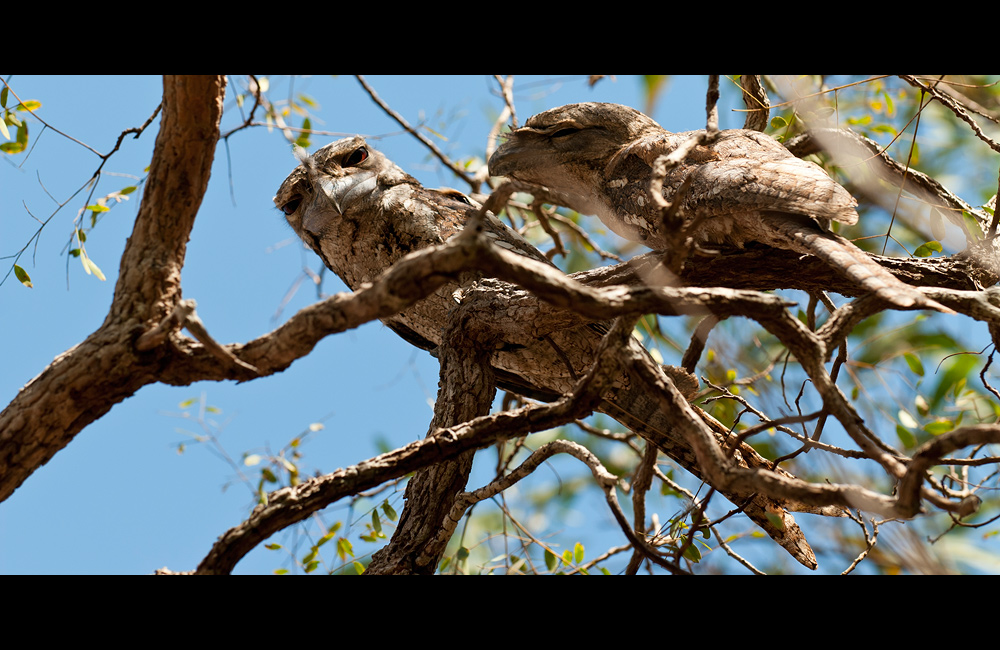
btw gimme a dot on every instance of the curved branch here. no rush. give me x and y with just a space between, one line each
83 383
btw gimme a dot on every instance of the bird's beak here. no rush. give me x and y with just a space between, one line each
346 190
510 156
339 194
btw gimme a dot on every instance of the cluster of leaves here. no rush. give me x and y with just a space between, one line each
265 471
11 120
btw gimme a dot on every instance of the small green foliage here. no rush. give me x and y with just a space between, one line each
344 549
913 361
928 249
938 427
905 437
692 553
303 138
971 223
388 511
22 276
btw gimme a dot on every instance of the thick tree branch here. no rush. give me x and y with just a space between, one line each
84 383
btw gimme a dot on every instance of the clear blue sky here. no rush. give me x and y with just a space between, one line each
119 499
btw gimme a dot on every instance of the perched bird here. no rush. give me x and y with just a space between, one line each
361 213
744 187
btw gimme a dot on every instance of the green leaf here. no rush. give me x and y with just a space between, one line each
376 522
22 276
388 511
693 554
3 97
913 361
776 520
578 552
30 105
970 222
905 436
359 568
272 547
928 249
12 147
303 138
939 427
778 122
344 548
312 566
551 561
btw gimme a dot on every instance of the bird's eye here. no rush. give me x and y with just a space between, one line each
357 157
291 206
564 132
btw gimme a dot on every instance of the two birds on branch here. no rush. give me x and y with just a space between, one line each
361 213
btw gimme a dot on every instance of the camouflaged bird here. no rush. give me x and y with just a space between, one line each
744 187
361 213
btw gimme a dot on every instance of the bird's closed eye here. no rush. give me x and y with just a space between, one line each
356 157
564 132
291 206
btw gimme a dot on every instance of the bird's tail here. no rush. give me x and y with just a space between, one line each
850 261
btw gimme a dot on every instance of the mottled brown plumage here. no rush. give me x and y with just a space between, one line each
744 187
361 213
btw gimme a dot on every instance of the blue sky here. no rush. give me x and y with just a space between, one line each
119 498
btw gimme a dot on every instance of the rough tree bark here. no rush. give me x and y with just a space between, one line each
83 383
